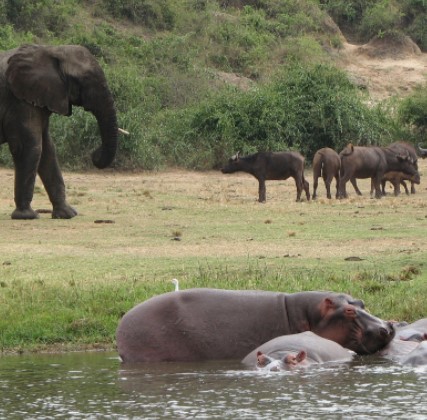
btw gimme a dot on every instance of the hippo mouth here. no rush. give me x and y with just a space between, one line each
368 341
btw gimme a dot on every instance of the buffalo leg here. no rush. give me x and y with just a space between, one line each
328 181
306 187
377 185
315 184
356 188
298 183
261 191
337 184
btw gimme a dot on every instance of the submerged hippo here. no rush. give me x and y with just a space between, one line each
417 357
304 348
208 324
289 360
417 331
397 349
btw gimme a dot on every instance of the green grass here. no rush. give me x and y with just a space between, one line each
66 283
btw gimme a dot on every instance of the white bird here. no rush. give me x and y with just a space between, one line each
176 283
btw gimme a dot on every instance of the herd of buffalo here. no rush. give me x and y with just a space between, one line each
395 163
267 330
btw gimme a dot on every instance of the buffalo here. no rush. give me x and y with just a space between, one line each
326 164
266 166
422 152
402 147
373 162
397 179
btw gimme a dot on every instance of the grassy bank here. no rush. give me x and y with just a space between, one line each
66 283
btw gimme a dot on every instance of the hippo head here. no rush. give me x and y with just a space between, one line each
289 360
346 322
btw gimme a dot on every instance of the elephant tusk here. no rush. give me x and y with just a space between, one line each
123 131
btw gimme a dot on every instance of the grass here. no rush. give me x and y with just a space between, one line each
64 284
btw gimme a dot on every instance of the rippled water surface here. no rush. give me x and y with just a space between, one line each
96 385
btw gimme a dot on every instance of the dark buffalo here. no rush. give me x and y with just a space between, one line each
397 179
402 147
265 166
422 152
373 162
326 164
208 324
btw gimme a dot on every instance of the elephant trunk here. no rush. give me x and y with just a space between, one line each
107 122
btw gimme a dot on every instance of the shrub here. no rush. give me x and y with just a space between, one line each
413 112
382 16
304 108
40 17
155 14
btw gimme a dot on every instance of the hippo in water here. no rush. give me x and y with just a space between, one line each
297 349
417 357
208 324
417 331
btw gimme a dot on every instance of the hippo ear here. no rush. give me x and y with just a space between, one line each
301 356
261 359
350 312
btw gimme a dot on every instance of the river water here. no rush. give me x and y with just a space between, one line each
96 386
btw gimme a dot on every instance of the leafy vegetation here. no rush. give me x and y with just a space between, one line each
169 65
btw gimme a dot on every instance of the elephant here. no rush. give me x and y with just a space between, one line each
36 81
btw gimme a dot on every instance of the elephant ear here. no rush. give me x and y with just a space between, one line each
34 75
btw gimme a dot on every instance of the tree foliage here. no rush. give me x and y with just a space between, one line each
169 64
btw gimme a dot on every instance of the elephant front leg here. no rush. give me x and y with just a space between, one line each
52 179
25 162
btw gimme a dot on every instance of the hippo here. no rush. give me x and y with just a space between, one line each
208 324
397 349
297 349
417 357
417 331
288 361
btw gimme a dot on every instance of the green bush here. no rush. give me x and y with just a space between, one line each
39 17
382 16
413 112
304 108
155 14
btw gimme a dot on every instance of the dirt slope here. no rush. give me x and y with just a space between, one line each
385 68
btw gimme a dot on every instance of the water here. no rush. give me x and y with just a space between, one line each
97 386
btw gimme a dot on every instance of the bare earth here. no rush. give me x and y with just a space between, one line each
385 70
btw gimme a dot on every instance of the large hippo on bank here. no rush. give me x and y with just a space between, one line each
208 324
297 349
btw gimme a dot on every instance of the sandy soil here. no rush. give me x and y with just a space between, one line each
385 70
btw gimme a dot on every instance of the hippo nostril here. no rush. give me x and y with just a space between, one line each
385 332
